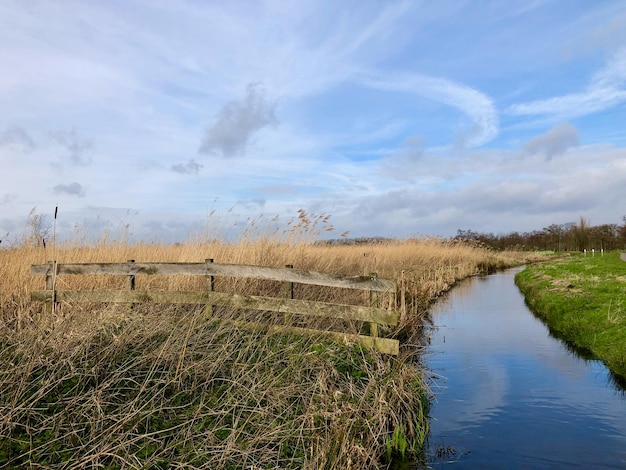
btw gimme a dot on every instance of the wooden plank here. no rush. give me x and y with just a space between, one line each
622 256
383 345
281 305
230 270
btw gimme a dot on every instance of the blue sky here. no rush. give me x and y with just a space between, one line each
395 118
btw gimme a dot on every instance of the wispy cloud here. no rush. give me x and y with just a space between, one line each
72 189
16 135
188 168
160 86
404 164
78 149
477 106
554 142
237 122
8 198
606 89
252 203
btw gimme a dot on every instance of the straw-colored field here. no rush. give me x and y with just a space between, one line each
102 386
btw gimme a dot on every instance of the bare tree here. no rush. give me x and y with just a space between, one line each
622 232
582 236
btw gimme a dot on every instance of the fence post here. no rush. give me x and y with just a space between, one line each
210 286
288 293
373 303
130 283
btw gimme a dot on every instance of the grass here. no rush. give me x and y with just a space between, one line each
583 300
168 387
163 391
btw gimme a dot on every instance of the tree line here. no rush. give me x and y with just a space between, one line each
571 236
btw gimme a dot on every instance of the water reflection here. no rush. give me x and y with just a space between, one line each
616 381
510 395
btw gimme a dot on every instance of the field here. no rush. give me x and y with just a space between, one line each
583 301
166 387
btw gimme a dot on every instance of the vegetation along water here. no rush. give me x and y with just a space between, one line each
99 385
511 395
582 298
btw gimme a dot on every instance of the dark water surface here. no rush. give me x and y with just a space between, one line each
509 395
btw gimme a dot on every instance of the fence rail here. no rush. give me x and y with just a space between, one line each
371 314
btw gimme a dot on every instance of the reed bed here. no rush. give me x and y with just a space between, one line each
99 386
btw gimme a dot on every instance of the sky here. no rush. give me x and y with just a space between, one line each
166 119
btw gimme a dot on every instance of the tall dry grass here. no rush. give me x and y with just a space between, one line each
161 387
428 266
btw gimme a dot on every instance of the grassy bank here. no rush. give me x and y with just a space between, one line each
163 391
100 386
583 300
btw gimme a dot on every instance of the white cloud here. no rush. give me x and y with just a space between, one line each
605 90
477 106
404 165
351 84
493 192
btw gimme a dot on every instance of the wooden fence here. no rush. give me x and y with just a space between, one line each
371 314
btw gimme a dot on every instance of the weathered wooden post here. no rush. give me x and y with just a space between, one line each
288 293
130 284
210 286
373 303
622 256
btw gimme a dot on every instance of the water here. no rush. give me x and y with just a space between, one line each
509 395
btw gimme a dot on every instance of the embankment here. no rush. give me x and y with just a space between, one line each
583 300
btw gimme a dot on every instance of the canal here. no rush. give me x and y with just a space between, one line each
510 395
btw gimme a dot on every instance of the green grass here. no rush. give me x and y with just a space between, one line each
583 300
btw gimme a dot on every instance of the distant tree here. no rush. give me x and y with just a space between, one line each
582 235
571 236
604 237
622 233
554 234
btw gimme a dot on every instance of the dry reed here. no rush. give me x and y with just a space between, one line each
101 386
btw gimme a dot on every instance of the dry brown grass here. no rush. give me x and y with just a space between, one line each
156 387
143 391
430 266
